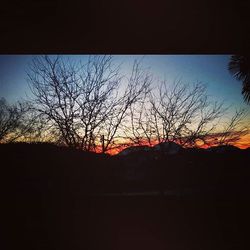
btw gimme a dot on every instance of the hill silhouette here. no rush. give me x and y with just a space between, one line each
164 147
52 198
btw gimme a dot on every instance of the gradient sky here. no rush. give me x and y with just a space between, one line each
209 69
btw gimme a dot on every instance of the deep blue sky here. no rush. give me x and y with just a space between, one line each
210 69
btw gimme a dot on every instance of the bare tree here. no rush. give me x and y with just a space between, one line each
84 102
16 121
141 129
184 114
231 131
92 107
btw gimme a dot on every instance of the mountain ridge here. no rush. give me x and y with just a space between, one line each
172 148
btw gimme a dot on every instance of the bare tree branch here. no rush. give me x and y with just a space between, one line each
84 101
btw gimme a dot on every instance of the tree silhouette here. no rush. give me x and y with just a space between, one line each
84 103
17 121
239 66
184 114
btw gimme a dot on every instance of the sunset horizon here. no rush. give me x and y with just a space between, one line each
189 99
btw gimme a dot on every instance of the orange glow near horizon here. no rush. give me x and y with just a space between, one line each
243 143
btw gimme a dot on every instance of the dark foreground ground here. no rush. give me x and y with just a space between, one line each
126 223
54 199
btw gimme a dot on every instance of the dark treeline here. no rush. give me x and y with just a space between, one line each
55 167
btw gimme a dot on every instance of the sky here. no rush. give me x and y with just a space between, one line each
209 69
